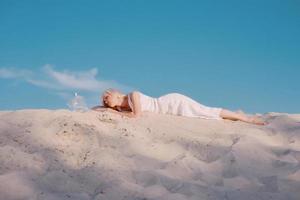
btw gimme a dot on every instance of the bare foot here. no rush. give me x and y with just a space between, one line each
257 120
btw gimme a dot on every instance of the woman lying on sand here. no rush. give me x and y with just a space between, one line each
134 103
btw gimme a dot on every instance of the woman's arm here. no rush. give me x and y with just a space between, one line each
102 108
123 113
99 108
136 112
135 99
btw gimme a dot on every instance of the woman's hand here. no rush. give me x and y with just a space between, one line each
126 114
123 113
99 108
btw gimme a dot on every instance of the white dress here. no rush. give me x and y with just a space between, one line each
177 104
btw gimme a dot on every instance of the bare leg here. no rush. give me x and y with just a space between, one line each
227 114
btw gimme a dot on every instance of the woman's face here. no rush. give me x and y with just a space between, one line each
110 99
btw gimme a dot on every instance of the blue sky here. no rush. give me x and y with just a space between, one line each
231 54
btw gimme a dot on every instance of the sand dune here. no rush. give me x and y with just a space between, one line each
58 154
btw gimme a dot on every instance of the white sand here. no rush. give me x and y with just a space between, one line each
59 154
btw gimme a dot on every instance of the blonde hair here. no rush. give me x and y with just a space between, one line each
110 91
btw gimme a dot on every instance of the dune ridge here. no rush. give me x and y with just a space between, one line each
59 155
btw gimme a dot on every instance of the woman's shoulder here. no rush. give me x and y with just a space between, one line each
134 93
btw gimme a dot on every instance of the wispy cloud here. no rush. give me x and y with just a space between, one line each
82 80
14 73
64 82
